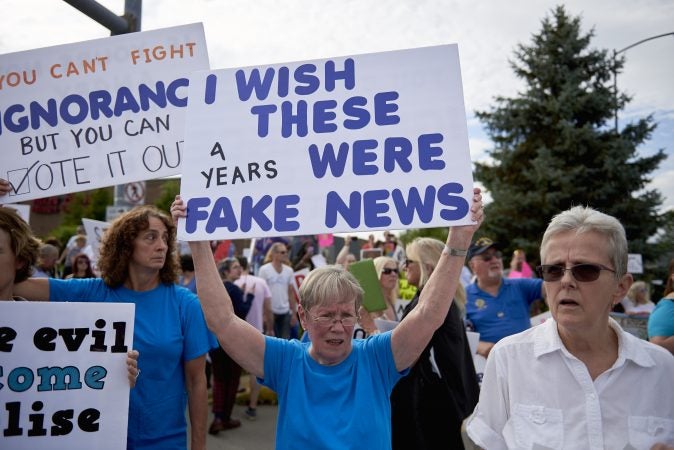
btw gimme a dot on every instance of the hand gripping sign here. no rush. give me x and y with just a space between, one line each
367 142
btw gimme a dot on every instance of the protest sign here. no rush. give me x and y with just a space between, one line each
63 374
22 210
367 142
97 113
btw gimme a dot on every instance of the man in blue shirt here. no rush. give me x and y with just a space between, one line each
497 306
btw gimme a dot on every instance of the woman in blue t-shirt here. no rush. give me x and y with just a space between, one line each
138 265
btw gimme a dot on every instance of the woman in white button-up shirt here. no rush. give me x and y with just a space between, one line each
577 381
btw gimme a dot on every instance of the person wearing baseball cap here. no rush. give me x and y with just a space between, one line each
497 306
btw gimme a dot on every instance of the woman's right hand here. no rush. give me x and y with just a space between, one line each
5 187
178 209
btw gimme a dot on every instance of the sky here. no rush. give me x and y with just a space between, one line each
243 33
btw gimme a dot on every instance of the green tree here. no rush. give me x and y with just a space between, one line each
555 146
169 189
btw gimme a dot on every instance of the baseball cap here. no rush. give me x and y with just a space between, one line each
480 246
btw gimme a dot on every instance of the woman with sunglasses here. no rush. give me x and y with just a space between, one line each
429 405
333 391
387 272
570 382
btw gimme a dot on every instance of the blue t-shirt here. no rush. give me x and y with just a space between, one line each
661 320
507 313
169 329
344 406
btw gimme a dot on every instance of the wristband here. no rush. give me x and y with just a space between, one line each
451 251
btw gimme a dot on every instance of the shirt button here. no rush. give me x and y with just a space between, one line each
538 417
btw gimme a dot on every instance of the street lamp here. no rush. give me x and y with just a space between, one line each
615 71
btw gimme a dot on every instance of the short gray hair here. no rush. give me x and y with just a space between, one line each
330 282
585 219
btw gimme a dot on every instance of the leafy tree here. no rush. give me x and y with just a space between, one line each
169 189
555 145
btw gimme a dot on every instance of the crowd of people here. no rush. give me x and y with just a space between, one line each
564 384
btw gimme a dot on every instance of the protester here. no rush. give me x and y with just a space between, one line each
46 262
429 405
259 316
638 302
345 257
81 267
226 372
18 252
67 254
387 272
661 320
279 278
519 267
334 391
497 307
186 278
138 265
572 382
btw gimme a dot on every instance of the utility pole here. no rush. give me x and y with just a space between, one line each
128 23
615 70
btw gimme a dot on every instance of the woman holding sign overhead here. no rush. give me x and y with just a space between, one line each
138 265
333 391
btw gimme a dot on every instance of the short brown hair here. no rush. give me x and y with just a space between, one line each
24 244
117 246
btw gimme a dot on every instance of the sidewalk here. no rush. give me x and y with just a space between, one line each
259 434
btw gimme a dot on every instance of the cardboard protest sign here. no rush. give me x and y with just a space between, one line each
63 375
366 142
96 113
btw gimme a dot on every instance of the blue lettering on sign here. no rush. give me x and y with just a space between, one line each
306 81
222 214
397 155
74 108
371 207
384 107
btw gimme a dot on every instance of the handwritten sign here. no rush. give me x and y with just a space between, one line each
366 142
63 376
97 113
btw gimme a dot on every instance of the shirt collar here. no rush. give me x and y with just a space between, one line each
547 340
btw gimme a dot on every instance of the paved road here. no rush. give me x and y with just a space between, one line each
252 435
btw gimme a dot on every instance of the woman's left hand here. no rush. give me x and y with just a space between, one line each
132 367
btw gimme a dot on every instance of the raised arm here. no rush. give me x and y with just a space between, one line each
242 342
412 335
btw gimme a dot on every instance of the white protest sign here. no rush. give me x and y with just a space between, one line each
366 142
96 113
63 374
94 230
635 263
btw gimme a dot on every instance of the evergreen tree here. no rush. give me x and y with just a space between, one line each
555 145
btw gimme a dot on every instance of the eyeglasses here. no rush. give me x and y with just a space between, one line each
389 270
488 256
409 261
581 272
328 321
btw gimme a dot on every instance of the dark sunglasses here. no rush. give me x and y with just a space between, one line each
409 261
488 256
581 272
389 270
